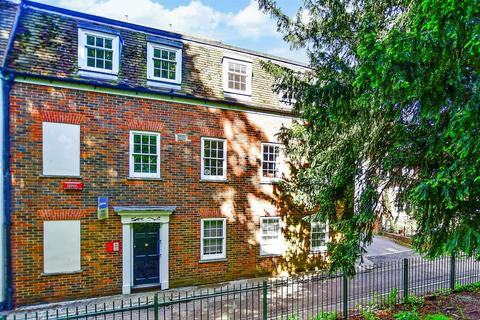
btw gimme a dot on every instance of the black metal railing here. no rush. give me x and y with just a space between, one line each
299 297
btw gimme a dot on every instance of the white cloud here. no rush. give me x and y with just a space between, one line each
194 18
252 23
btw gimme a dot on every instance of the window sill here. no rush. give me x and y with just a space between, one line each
237 96
318 251
214 180
270 182
213 260
60 273
272 255
145 178
60 176
157 83
97 74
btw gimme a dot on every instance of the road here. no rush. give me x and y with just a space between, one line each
382 246
383 249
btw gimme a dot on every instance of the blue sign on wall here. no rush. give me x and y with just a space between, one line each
102 208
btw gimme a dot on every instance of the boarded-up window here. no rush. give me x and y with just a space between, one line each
61 246
61 149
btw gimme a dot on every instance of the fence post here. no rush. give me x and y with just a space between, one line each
155 306
405 279
453 271
345 297
264 300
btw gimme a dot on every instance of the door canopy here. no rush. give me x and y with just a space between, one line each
142 214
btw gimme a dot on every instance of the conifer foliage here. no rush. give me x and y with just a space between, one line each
392 102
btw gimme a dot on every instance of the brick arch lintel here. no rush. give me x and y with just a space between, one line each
64 214
62 117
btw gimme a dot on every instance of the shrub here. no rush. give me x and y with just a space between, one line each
325 316
392 298
414 301
407 315
468 287
437 317
368 315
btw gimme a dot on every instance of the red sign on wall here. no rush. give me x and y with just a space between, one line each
113 246
72 185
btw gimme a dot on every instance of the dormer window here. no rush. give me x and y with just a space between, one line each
285 100
164 64
237 77
98 52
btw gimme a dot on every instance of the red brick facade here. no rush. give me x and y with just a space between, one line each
105 121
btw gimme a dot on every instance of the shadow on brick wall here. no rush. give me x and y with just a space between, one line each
251 199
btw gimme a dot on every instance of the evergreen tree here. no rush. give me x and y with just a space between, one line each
391 102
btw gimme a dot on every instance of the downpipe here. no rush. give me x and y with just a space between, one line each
6 292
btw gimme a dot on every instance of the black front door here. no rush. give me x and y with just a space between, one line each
146 253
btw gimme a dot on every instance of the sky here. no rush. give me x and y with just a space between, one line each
235 22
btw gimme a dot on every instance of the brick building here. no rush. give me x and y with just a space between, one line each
136 157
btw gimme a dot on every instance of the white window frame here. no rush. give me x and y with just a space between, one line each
284 102
134 174
280 239
82 51
211 177
248 83
279 162
178 58
223 255
49 151
327 237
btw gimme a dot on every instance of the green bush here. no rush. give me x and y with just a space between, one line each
325 316
414 301
407 315
437 317
392 298
468 287
368 315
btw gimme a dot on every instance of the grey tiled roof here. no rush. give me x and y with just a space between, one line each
8 11
46 44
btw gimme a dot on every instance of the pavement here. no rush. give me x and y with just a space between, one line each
304 296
